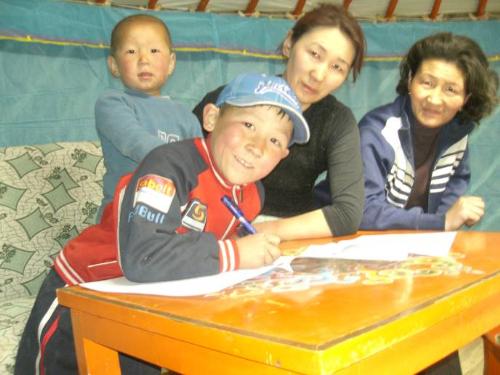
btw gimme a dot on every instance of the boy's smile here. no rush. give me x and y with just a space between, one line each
246 143
145 75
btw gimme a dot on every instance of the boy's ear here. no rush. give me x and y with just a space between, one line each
113 66
173 60
287 44
210 116
285 153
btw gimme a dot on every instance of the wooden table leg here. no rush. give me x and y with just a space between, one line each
492 352
92 357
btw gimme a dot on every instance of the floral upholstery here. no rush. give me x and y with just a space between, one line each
48 194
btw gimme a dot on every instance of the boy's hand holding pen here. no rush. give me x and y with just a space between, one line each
257 249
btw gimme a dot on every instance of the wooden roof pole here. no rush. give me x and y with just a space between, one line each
152 4
390 9
481 8
435 9
299 7
346 4
252 5
202 5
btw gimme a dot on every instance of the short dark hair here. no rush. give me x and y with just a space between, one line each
330 15
121 26
481 82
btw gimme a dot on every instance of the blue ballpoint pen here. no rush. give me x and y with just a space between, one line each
235 210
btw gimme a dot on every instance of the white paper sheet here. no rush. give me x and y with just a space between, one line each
353 250
391 247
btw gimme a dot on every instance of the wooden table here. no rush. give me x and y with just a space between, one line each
398 327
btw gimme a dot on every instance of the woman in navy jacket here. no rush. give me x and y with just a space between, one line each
415 150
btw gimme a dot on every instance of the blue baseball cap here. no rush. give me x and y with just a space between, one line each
259 89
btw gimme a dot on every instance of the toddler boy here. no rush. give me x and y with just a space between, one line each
132 122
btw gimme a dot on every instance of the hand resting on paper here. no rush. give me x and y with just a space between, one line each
258 250
466 210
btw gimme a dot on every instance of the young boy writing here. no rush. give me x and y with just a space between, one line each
167 220
132 122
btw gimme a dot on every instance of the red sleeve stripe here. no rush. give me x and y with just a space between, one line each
228 256
66 271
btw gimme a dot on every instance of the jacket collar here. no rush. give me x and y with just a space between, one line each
203 145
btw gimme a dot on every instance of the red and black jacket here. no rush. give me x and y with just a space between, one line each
170 219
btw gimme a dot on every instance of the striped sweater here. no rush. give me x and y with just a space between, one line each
389 168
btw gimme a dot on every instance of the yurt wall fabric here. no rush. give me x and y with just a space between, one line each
53 68
53 60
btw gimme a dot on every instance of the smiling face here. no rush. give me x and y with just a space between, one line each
437 92
318 63
143 59
246 143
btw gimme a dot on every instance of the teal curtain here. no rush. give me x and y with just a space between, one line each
53 68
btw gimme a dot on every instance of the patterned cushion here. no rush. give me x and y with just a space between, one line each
48 194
